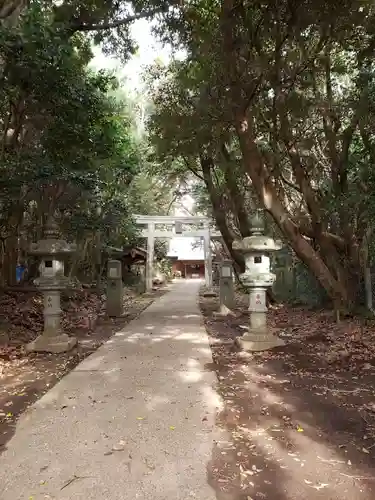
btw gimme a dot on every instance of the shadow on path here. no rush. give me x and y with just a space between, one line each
30 376
290 430
134 420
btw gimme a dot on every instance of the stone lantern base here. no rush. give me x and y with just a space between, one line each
55 345
260 339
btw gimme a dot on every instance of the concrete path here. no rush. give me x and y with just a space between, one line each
133 421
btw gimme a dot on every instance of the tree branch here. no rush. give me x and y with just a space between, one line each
235 194
191 169
289 183
77 25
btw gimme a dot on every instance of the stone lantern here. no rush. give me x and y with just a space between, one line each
258 277
52 251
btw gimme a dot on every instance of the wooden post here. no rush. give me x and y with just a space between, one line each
226 285
114 289
150 256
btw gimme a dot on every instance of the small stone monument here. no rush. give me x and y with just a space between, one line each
141 285
52 250
257 277
114 289
226 288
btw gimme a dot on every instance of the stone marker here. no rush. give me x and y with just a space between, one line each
257 276
52 251
141 285
226 288
114 289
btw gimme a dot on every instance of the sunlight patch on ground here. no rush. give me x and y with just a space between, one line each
297 450
191 376
190 337
205 350
157 401
212 399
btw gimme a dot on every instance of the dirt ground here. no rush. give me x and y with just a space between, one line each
24 378
297 422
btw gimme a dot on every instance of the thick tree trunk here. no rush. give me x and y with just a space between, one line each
255 168
10 11
219 212
235 193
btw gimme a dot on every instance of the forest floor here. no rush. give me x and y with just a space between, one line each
24 378
300 418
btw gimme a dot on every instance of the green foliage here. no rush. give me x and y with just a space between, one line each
288 90
70 140
296 285
69 144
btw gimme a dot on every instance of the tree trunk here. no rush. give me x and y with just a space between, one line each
235 193
219 213
255 168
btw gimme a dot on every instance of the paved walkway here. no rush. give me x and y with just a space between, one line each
133 421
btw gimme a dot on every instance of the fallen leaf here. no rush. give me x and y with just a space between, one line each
320 486
365 450
172 428
120 446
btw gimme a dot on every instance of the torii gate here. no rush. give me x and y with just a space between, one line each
152 232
